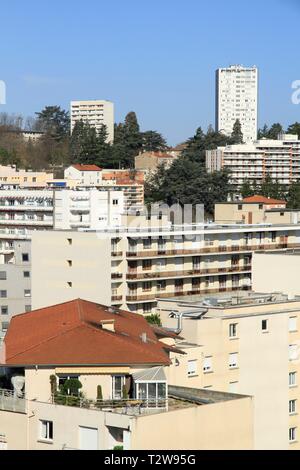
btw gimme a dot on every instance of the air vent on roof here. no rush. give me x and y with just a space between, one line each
144 337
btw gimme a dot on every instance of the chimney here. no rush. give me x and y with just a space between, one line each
108 325
144 337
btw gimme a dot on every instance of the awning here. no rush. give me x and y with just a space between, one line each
154 374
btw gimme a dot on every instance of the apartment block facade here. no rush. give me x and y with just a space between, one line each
280 159
134 266
96 112
245 344
15 283
237 98
122 355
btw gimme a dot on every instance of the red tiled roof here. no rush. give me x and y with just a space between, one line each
71 334
263 200
87 167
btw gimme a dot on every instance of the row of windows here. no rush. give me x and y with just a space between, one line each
207 364
3 275
5 310
233 327
3 293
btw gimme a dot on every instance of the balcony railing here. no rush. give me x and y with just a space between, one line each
216 249
162 295
9 401
187 273
123 406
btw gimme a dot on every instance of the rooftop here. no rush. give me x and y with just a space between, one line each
86 167
262 200
76 333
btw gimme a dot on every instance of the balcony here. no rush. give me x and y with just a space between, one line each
116 275
215 250
162 295
122 406
33 222
116 298
188 273
10 402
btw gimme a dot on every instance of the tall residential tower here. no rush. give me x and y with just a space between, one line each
236 98
96 112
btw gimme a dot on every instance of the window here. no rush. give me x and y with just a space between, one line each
147 264
27 308
3 294
117 386
70 241
46 430
147 242
115 202
293 352
260 206
161 285
273 237
3 276
207 364
264 325
292 407
26 274
27 293
147 286
232 330
292 379
240 207
147 308
25 257
233 360
293 324
192 368
70 263
70 284
5 325
4 310
292 434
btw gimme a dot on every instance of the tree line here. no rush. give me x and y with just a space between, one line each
59 148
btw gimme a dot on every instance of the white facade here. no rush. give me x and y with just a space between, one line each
96 112
82 177
280 159
236 98
89 209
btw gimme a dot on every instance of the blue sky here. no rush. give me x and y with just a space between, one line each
156 57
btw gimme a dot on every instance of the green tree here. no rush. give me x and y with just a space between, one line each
293 196
152 141
275 130
263 132
53 120
237 135
294 129
154 319
246 189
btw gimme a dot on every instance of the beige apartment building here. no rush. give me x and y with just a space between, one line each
149 162
255 210
133 266
274 273
10 176
246 344
97 113
124 397
280 159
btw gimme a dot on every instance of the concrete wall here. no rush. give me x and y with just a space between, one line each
276 272
89 274
226 425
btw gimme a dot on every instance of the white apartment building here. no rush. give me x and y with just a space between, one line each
96 112
133 266
236 98
246 344
253 161
88 209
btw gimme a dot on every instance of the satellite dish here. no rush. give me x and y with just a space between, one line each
18 383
